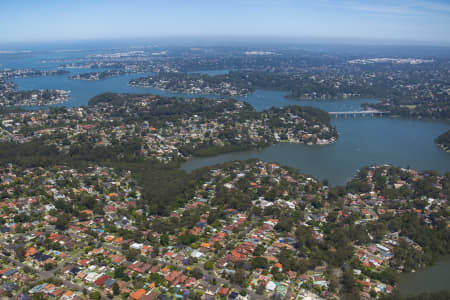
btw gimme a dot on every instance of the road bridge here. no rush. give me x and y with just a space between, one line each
356 113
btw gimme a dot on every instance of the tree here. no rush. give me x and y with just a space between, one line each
197 273
155 251
125 246
49 266
116 288
260 289
209 265
260 249
20 253
305 238
132 254
62 222
348 281
119 273
95 295
260 262
286 258
187 238
333 283
239 276
195 296
332 216
27 269
37 296
164 240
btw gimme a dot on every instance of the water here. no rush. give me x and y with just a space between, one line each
80 90
212 72
432 279
362 141
43 59
264 99
83 90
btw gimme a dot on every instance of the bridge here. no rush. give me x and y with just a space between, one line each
359 113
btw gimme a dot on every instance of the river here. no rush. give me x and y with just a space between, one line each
432 279
362 141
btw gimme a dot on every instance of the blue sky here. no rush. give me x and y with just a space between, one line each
421 21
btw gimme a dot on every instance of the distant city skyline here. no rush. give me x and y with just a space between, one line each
383 21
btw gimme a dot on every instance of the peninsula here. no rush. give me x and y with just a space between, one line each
10 96
443 141
195 83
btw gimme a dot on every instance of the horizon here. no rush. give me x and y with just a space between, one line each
209 41
356 22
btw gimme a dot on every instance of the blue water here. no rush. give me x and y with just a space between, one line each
362 141
83 90
431 279
80 90
43 59
263 99
212 72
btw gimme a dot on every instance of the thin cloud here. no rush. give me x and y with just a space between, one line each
384 9
434 6
400 8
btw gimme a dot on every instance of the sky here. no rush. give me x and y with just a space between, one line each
396 21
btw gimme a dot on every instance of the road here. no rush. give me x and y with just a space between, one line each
220 280
44 275
74 258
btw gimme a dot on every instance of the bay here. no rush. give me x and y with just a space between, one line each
431 279
361 142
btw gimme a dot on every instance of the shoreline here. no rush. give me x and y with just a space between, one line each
186 92
444 148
